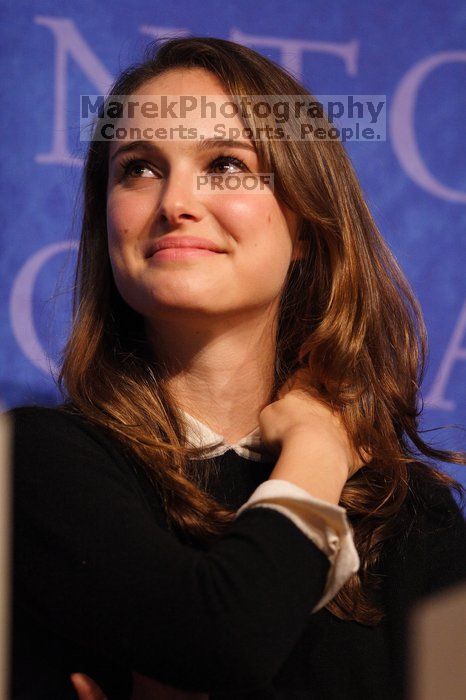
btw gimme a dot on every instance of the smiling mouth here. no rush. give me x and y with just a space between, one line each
183 253
171 241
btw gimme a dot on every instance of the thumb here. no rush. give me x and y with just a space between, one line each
86 688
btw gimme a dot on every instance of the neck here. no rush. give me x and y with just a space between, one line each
221 374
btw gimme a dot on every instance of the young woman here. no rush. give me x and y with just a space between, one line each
241 384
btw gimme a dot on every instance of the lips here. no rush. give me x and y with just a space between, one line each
182 242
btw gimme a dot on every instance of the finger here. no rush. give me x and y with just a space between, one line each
86 688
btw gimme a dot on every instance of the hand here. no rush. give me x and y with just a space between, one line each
300 415
86 688
144 688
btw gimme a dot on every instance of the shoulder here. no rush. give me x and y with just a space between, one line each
37 419
55 428
429 552
432 506
425 555
58 444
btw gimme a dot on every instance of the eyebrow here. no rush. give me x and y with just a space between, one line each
205 144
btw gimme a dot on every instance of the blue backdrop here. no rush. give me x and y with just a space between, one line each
415 180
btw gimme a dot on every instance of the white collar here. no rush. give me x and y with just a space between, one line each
199 434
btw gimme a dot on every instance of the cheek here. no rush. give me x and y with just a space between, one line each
116 227
120 233
264 244
128 209
253 214
257 223
241 209
125 221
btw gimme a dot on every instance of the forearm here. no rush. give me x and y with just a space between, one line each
319 474
93 566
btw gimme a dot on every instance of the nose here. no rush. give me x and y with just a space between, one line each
178 202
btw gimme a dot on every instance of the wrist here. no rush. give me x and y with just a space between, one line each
321 473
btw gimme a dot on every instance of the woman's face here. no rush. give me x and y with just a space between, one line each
153 197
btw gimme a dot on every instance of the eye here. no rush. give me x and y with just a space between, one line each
224 161
137 168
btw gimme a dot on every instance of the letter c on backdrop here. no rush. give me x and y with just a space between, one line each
21 306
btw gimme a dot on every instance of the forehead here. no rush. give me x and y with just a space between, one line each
181 81
178 108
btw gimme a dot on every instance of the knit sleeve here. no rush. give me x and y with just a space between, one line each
93 566
324 523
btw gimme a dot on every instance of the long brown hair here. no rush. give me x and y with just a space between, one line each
347 314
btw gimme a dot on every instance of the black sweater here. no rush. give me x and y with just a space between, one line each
102 587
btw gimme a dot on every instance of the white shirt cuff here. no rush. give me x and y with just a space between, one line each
324 523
